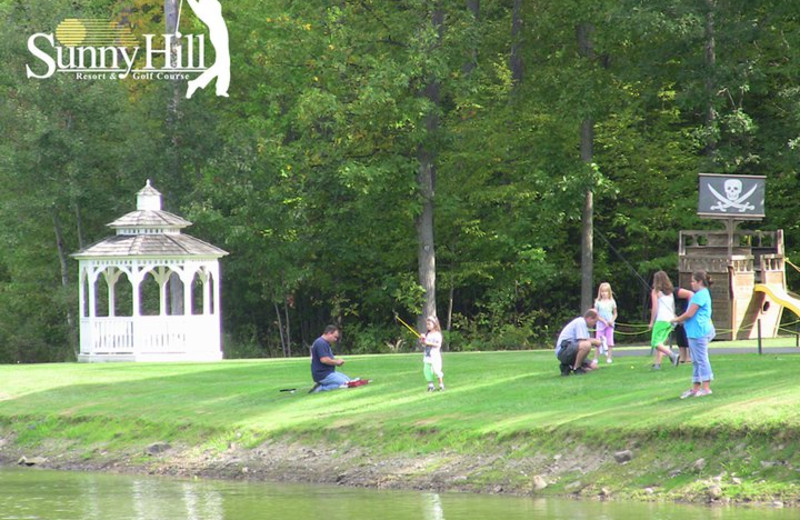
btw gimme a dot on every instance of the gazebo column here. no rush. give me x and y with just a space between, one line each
82 292
217 292
85 328
161 275
90 337
136 287
217 296
137 276
93 293
206 278
187 277
112 275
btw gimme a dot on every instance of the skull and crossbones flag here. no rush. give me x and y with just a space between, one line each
739 197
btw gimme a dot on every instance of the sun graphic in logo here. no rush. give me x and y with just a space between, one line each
73 32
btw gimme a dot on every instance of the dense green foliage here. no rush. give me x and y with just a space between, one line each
307 173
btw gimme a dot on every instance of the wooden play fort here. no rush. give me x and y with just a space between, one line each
747 269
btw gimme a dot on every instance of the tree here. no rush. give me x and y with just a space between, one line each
426 177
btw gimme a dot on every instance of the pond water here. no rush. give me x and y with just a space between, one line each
33 494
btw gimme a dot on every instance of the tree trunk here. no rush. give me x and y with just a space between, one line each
474 8
450 309
72 333
711 63
172 15
425 235
171 20
515 63
79 226
426 180
584 33
587 232
280 328
288 331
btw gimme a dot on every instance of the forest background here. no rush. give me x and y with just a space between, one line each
365 140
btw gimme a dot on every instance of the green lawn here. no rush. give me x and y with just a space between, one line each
511 410
496 394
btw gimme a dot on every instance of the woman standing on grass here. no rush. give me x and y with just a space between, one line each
432 360
662 312
679 332
700 331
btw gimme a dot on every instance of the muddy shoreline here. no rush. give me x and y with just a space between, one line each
577 473
281 462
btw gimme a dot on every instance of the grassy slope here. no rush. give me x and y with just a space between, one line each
509 402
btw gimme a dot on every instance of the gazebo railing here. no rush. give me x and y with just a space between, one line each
141 336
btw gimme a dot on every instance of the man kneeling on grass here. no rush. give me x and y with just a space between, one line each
324 363
575 343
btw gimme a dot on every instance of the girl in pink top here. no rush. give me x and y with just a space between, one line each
606 308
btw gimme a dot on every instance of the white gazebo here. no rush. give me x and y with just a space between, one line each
150 293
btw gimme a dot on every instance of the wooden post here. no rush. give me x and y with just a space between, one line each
758 323
730 225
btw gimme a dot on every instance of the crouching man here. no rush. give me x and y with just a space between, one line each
575 343
324 363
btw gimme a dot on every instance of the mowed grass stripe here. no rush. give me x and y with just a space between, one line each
502 393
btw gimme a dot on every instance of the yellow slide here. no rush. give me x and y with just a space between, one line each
780 296
768 302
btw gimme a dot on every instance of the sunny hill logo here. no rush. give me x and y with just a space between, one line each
93 49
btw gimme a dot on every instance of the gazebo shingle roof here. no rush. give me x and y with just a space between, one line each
150 218
149 232
150 245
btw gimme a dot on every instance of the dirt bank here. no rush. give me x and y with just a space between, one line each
595 474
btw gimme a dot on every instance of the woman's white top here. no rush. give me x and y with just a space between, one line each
666 307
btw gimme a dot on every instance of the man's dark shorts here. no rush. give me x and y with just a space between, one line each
568 352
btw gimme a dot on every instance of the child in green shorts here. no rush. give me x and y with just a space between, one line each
662 312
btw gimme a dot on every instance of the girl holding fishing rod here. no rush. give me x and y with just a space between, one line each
432 346
432 360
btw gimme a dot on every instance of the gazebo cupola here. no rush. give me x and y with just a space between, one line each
150 292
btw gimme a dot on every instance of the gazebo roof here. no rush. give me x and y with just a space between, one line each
151 219
150 232
155 246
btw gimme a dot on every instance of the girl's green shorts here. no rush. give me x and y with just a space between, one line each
661 330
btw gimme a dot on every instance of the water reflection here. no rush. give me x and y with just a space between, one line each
202 505
434 510
48 495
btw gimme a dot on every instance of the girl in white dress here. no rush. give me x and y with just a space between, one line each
432 360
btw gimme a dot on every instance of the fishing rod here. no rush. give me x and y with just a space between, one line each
409 327
624 260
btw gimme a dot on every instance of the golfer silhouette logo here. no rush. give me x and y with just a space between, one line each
210 13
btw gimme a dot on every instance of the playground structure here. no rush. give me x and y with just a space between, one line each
748 271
